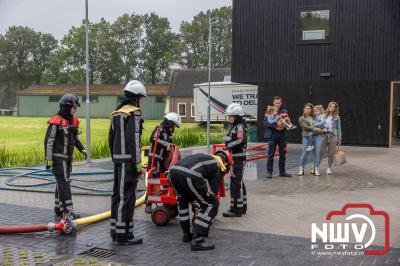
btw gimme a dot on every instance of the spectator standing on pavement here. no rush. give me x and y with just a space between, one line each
311 135
275 134
319 122
332 134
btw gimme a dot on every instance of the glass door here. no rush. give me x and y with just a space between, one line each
394 138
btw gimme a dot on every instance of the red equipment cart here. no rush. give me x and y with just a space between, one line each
159 190
161 193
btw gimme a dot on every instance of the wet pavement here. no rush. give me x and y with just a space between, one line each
254 170
162 246
275 231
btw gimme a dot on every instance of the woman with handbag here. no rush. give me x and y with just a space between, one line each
332 134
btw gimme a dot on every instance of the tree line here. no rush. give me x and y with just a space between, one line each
132 47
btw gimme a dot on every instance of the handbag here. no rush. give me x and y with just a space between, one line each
340 156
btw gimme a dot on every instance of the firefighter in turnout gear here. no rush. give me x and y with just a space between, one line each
197 178
125 146
60 140
236 143
164 133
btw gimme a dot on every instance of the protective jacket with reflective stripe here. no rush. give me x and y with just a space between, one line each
236 140
164 139
125 134
61 138
201 165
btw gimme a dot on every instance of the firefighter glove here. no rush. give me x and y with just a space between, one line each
139 167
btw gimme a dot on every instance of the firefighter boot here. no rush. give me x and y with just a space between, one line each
201 243
187 237
71 215
74 215
58 217
130 241
233 212
148 208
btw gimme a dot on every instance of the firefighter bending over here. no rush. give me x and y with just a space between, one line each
197 178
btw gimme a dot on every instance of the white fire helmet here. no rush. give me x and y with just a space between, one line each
136 87
234 109
174 118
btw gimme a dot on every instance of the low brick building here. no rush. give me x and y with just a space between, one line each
43 100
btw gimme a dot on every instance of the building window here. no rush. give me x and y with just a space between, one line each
182 109
192 110
161 99
93 99
314 25
54 98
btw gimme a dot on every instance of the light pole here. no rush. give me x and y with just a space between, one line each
210 21
87 83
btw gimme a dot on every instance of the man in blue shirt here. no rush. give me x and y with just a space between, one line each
275 134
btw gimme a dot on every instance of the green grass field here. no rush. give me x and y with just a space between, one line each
21 138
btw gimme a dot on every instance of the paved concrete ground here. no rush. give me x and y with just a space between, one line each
96 204
162 246
275 231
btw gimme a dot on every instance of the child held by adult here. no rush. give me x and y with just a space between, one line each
310 135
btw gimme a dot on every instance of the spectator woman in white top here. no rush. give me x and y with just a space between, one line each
332 134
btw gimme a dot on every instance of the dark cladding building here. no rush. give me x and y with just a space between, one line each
324 50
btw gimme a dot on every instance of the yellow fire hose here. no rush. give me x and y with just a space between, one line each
105 215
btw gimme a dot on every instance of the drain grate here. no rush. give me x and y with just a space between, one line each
99 253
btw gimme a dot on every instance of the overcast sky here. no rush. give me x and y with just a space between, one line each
57 16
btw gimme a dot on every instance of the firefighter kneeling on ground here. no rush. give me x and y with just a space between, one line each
125 146
198 178
60 140
163 135
236 143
